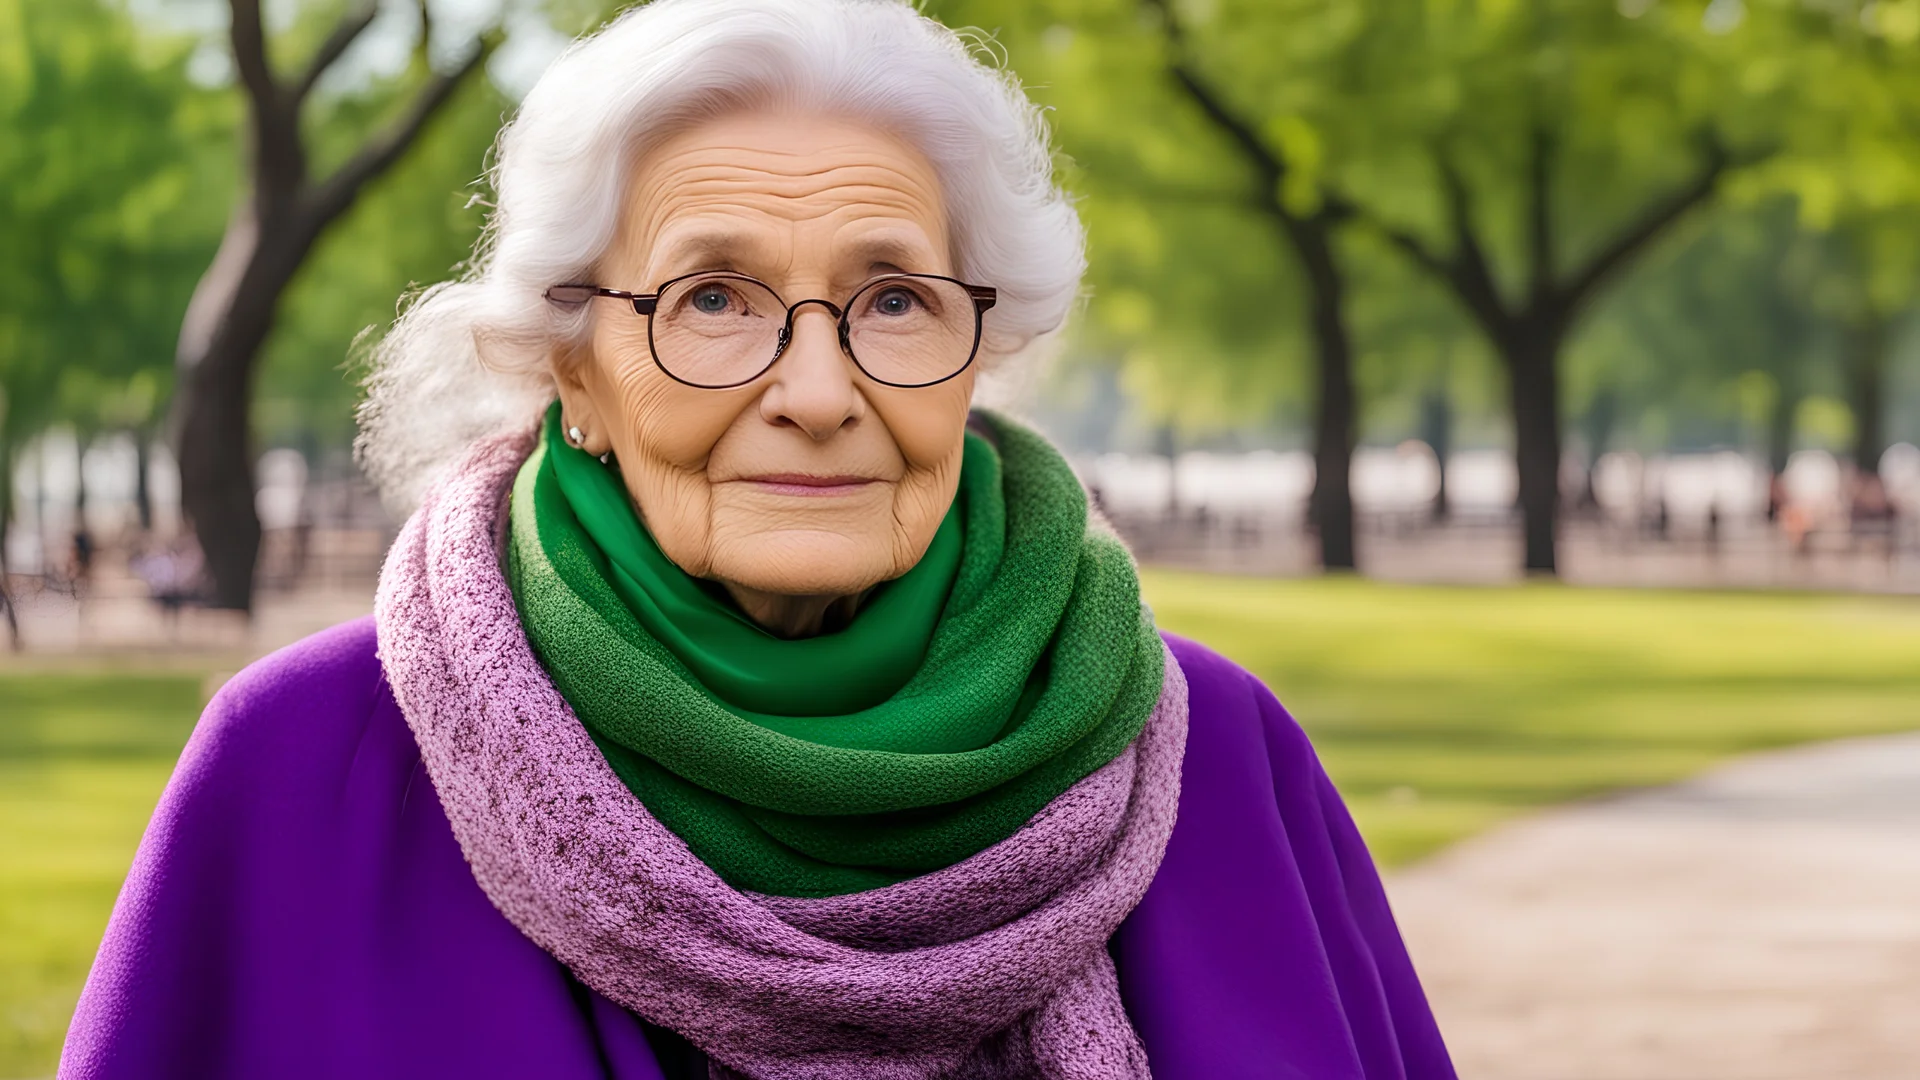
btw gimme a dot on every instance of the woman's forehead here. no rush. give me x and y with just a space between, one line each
734 240
731 189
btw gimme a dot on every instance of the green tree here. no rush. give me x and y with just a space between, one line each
286 208
1207 254
1552 144
1523 155
412 227
102 214
1721 327
1861 275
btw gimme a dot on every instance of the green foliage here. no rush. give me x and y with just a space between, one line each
1367 100
1719 327
411 228
118 172
1192 292
112 193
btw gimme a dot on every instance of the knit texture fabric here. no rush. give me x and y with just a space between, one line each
994 967
1042 667
746 669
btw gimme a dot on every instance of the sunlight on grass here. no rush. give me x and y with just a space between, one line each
1438 711
83 759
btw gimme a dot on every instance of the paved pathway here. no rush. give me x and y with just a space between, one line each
118 624
1761 922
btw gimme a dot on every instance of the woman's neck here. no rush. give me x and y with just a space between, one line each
791 617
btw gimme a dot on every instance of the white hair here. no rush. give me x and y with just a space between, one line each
471 357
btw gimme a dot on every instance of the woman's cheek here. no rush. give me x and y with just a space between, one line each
671 424
919 507
927 424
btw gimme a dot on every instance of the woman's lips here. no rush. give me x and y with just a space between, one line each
809 486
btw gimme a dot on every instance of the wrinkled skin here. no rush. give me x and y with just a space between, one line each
812 206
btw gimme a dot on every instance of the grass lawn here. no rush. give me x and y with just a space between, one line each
82 760
1438 711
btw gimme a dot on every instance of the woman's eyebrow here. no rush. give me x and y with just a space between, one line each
887 252
713 249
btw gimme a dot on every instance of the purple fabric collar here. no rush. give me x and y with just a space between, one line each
994 967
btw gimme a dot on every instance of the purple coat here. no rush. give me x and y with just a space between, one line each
300 908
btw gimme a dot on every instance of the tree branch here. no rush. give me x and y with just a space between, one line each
1269 165
279 160
1465 269
250 58
1654 221
1472 273
426 30
332 197
344 34
1413 248
1265 162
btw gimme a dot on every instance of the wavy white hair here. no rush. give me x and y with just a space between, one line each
470 357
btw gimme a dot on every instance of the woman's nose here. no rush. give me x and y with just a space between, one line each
813 386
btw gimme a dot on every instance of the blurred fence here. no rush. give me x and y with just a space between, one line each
89 532
1708 519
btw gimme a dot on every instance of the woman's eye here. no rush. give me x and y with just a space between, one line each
895 302
710 300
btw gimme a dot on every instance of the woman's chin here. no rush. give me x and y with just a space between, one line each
804 562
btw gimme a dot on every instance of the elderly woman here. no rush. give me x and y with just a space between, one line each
737 701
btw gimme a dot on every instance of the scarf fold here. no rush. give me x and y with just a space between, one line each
746 669
992 967
1042 666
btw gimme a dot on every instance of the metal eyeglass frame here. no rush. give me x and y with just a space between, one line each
983 297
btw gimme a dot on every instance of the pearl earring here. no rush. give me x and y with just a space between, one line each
574 436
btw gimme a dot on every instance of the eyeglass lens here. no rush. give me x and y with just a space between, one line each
722 329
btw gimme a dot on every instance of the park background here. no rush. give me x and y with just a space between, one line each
1525 389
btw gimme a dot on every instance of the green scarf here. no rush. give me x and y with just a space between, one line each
747 670
1014 660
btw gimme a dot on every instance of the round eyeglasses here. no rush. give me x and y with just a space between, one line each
717 329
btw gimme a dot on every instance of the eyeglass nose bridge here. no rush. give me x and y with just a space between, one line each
786 332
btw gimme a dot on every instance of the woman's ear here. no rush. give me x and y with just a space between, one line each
572 365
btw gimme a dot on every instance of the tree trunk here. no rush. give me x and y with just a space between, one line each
142 465
1866 345
81 441
1780 442
227 323
1532 362
1780 427
267 238
1436 430
6 527
1334 432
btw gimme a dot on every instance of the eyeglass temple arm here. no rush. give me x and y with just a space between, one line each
574 295
983 296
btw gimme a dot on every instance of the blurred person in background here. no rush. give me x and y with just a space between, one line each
1872 517
739 701
80 560
171 571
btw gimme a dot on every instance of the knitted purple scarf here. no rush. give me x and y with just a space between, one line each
995 967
